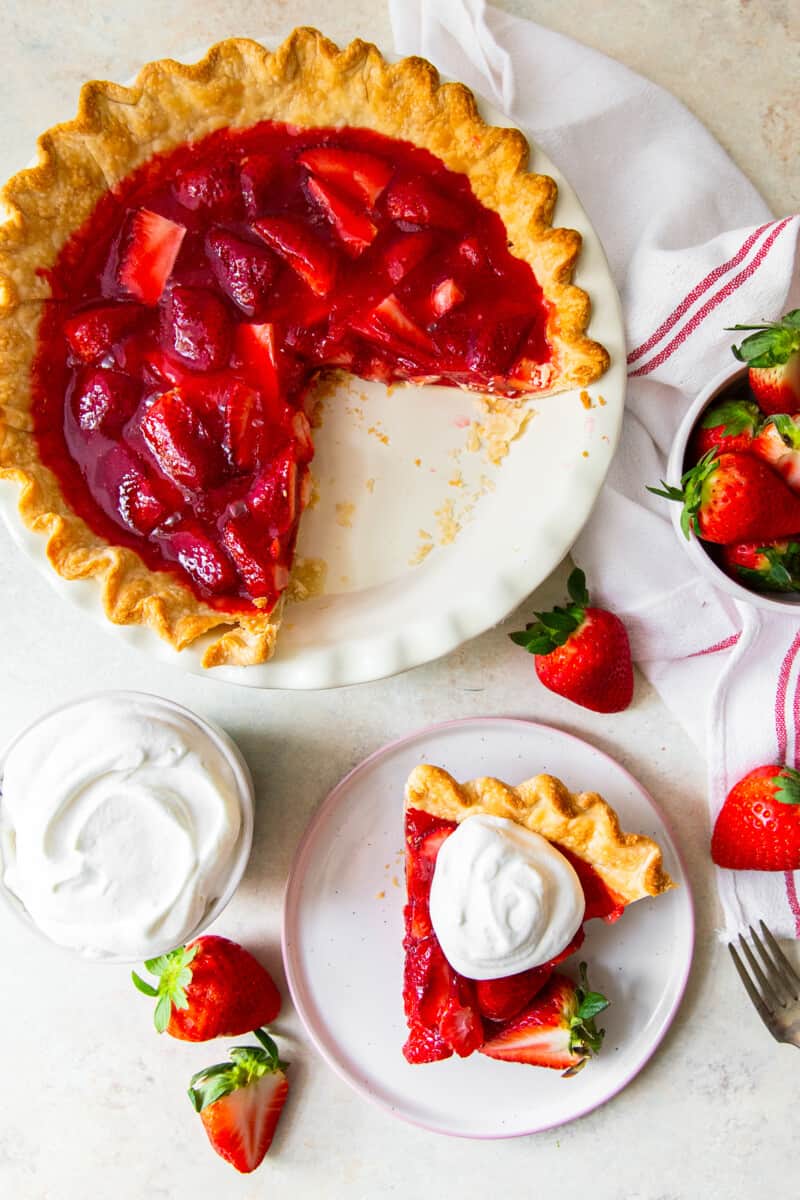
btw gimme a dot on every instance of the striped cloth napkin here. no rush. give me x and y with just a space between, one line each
693 249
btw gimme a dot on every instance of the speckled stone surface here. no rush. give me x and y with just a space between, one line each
94 1103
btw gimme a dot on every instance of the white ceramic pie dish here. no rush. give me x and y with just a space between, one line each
701 559
394 467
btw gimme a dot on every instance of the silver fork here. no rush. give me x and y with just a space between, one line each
773 988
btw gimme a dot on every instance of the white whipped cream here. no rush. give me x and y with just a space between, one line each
502 899
120 823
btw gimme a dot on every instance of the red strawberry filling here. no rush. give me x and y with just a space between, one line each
445 1012
203 297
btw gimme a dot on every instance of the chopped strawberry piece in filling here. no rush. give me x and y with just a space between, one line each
199 303
446 1013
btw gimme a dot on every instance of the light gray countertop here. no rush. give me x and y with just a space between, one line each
94 1103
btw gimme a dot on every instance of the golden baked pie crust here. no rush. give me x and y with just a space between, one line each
307 81
630 864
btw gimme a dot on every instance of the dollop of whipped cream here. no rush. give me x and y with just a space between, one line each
502 899
120 821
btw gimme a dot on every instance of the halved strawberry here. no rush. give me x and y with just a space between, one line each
201 558
133 494
389 317
245 424
502 999
770 567
215 188
92 332
257 348
196 327
445 296
362 176
558 1029
273 496
240 1104
245 543
257 172
418 202
103 401
148 254
306 255
180 442
244 271
355 229
778 443
406 252
772 354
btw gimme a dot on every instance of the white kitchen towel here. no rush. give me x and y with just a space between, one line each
693 249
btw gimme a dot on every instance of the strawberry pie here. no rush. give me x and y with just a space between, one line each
501 881
190 255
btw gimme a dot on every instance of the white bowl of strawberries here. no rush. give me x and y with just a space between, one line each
734 471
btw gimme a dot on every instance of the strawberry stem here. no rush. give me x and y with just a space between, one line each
771 344
554 628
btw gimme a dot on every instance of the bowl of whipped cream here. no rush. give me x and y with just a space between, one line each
126 823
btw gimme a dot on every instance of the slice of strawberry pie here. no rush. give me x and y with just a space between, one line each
188 258
500 883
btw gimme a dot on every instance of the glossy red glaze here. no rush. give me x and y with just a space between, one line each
208 290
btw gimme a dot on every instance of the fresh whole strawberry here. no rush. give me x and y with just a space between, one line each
772 354
557 1030
581 653
728 425
732 497
774 567
210 988
240 1102
758 826
778 443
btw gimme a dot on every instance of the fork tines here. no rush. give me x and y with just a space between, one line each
773 987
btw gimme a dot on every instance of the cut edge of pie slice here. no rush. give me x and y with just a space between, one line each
445 1012
307 81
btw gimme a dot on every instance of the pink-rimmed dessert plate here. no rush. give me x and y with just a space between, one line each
343 931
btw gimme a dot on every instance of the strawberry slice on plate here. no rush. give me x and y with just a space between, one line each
772 354
150 250
305 253
93 332
240 1102
363 176
558 1030
355 230
502 999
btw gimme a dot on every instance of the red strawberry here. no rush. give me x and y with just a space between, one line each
758 827
245 425
778 443
392 324
354 229
502 999
256 346
210 988
149 254
215 188
249 547
256 174
180 442
406 252
581 653
93 332
133 494
274 492
103 401
732 497
772 353
201 558
558 1030
306 255
728 425
418 202
446 296
362 176
243 270
196 327
240 1104
774 567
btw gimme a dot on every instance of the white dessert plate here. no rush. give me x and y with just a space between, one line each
392 466
343 932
